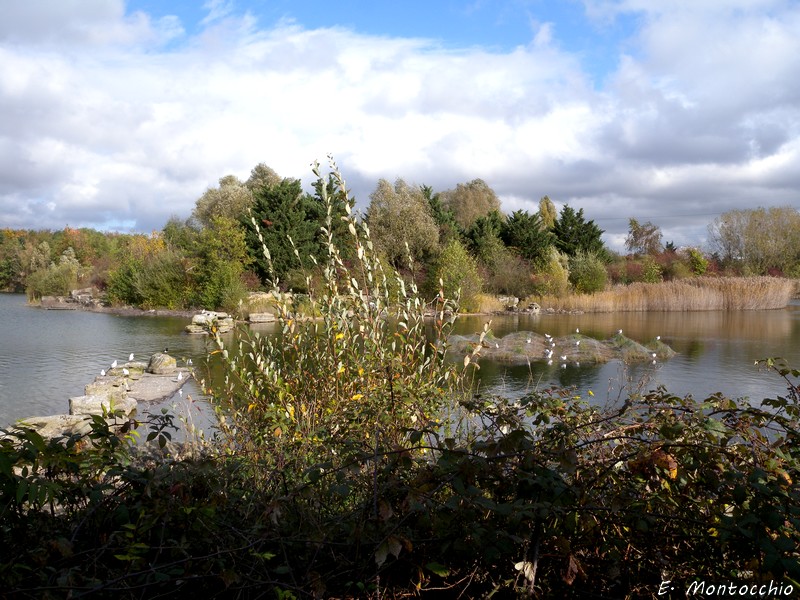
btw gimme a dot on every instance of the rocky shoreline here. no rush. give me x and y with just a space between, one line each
116 395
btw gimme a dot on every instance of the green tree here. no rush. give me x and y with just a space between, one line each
643 238
469 201
587 273
483 236
288 221
528 235
449 229
223 258
574 233
400 215
458 273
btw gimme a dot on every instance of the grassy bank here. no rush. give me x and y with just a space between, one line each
702 293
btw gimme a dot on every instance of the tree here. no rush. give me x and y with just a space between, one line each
469 201
547 212
459 273
398 216
587 273
574 233
759 241
528 235
262 176
231 199
449 228
281 212
643 238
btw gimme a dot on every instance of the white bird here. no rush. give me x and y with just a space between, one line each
189 362
653 355
547 336
125 372
658 337
564 357
577 330
496 345
654 362
619 331
102 372
563 365
549 362
528 341
130 358
577 364
180 392
577 342
180 375
114 364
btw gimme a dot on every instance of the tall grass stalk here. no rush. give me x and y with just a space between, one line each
353 379
695 294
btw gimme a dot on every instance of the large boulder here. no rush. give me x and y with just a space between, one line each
202 323
54 426
100 405
161 363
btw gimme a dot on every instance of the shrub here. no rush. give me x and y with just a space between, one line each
553 279
354 377
458 272
587 273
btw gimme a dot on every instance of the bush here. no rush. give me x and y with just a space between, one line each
458 272
587 273
553 279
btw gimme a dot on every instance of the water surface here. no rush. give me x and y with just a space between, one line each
48 356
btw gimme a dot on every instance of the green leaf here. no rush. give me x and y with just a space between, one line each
438 569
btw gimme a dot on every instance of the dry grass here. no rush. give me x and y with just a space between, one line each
701 293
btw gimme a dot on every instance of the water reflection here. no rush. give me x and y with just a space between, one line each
48 356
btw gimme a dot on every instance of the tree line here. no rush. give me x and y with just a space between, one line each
459 238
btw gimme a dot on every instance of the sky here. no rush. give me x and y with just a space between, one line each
118 115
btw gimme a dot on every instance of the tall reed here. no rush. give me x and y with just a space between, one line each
700 293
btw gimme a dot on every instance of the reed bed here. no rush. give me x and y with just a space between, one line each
696 294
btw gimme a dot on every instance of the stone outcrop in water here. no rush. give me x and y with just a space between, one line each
208 320
120 390
523 347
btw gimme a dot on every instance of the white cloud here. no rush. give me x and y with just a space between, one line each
108 124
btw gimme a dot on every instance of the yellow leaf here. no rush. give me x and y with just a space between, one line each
356 396
339 336
591 393
278 432
341 369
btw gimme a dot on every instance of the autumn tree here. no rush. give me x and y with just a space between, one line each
469 201
643 238
758 240
262 176
400 215
547 212
231 199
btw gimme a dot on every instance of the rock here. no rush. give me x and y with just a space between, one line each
57 425
203 322
261 318
107 387
99 405
534 308
58 303
161 364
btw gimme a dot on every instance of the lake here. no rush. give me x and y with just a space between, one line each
48 356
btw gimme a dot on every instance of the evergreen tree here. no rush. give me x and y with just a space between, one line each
574 233
527 234
282 211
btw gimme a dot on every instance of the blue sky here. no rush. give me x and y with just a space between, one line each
119 115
